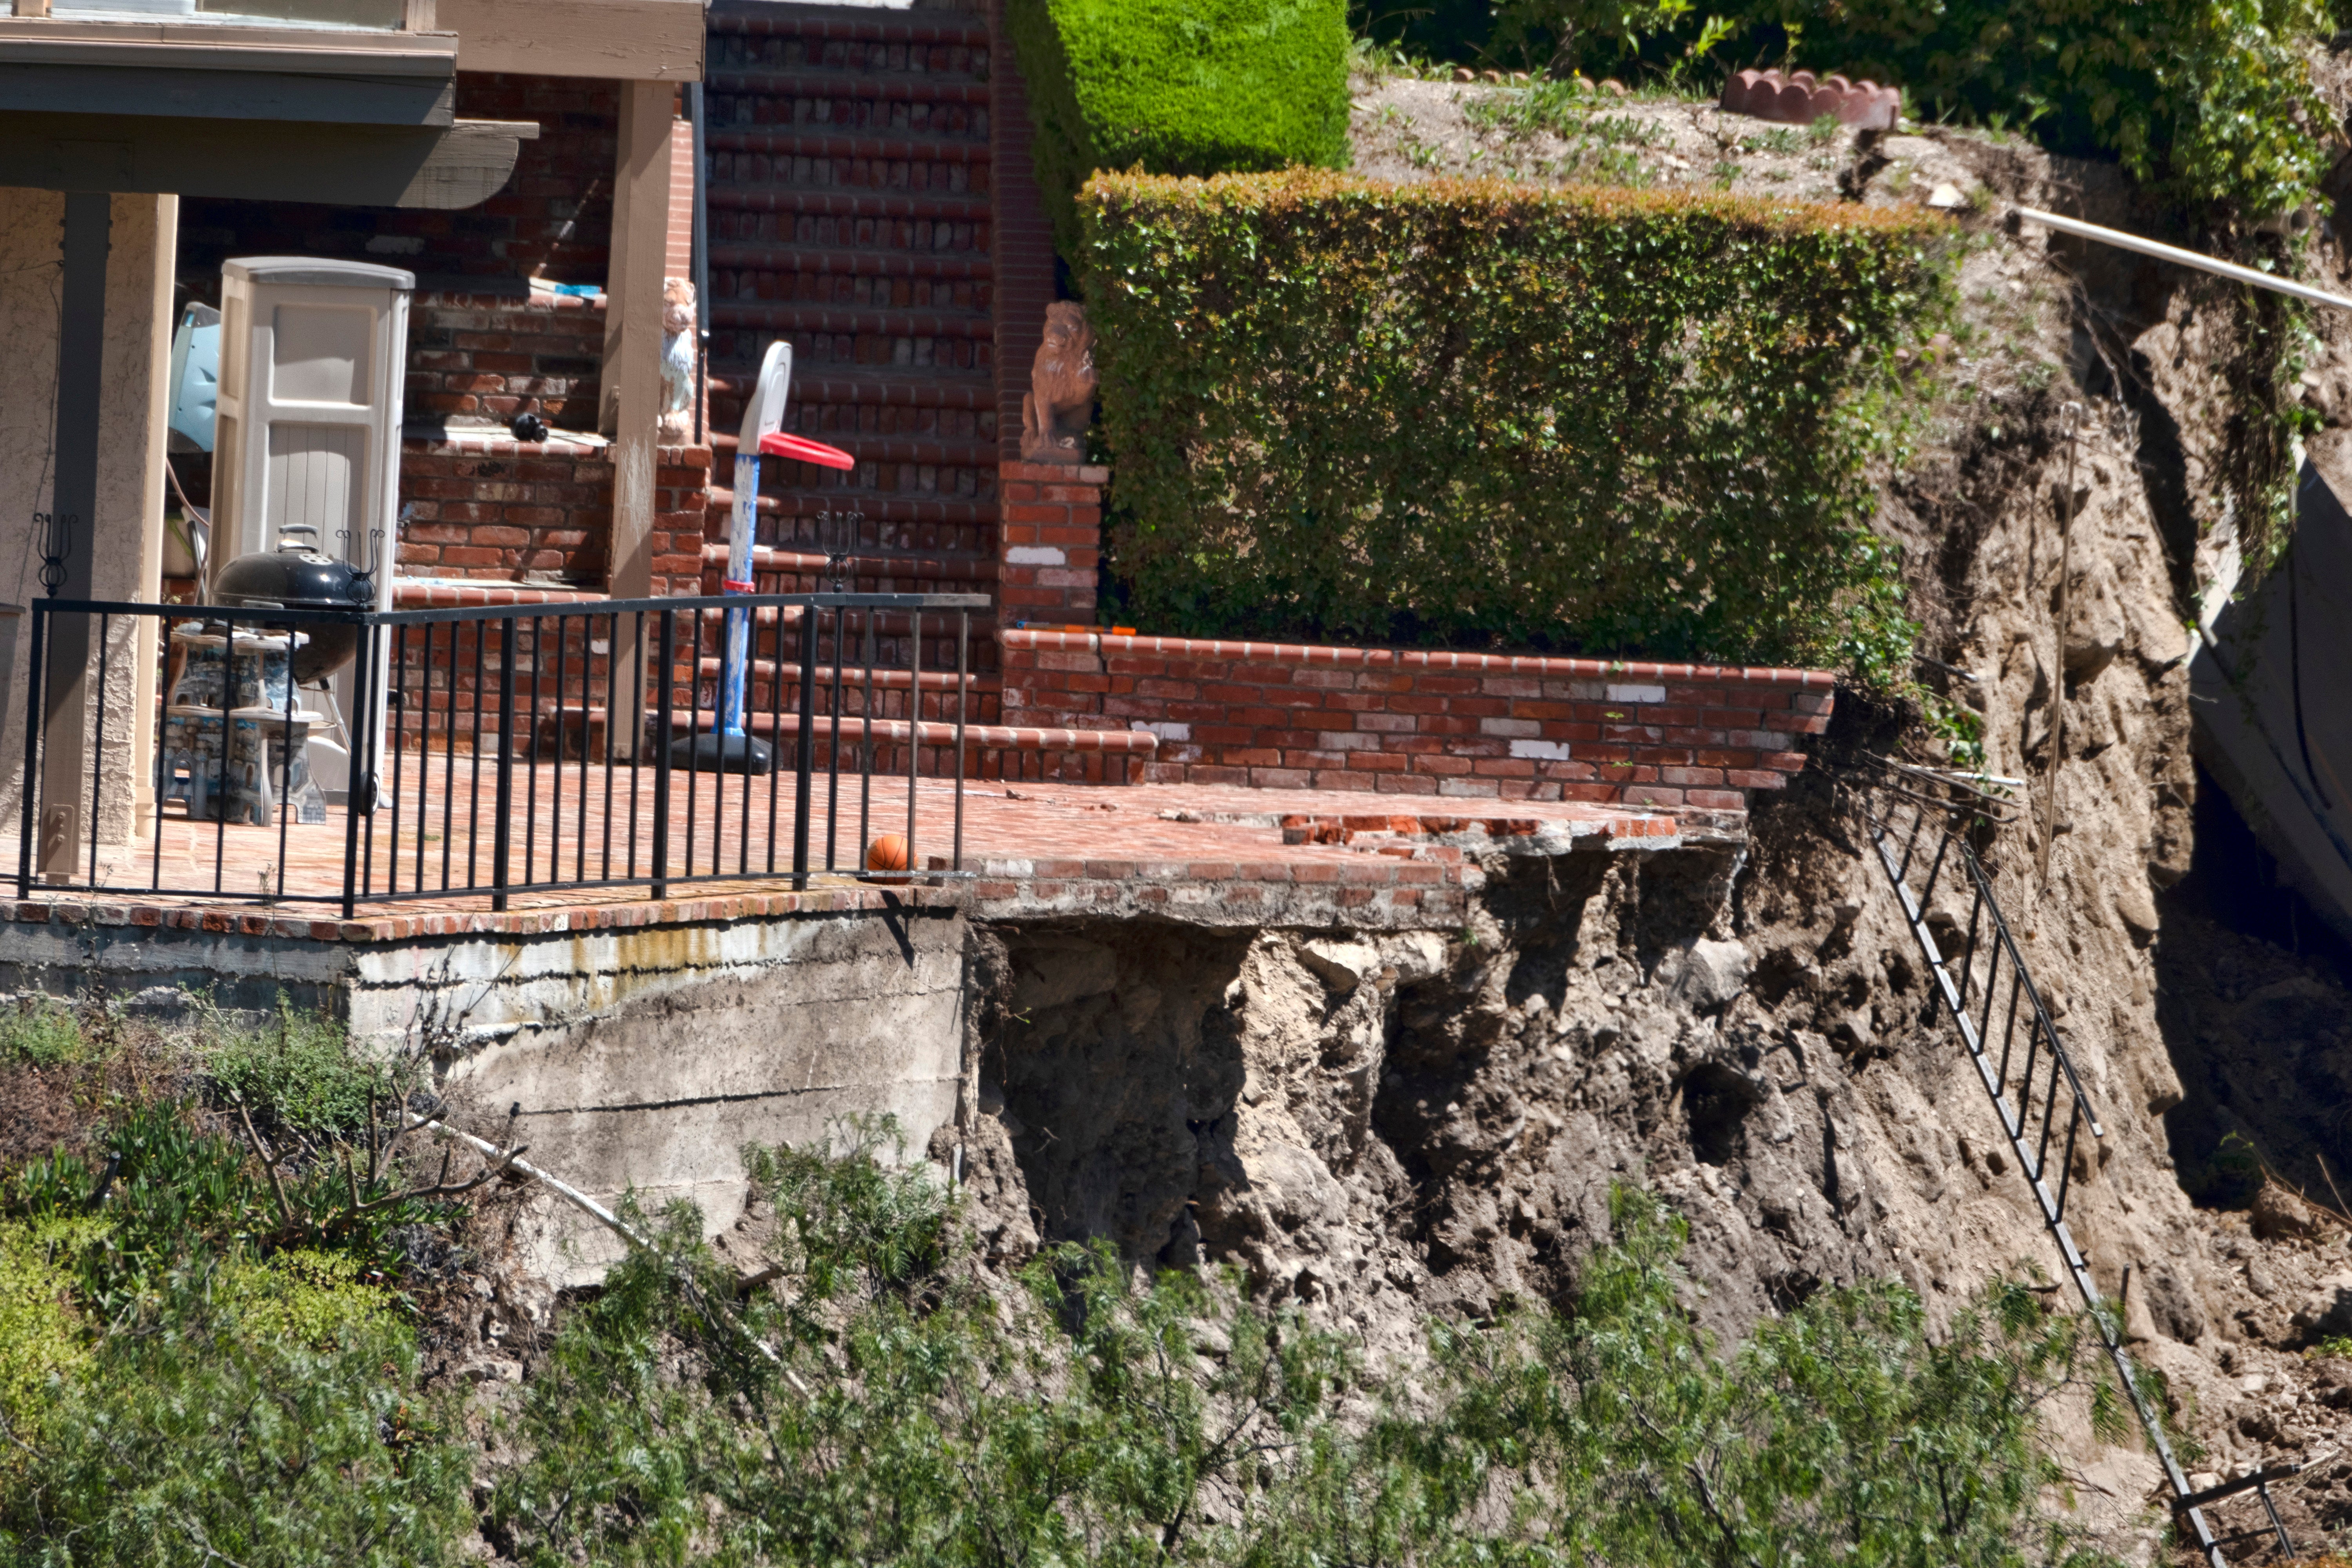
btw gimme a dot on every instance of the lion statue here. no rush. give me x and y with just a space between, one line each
1055 412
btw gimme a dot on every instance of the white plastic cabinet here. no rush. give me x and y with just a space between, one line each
313 360
314 354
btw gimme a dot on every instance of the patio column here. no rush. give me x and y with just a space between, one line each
147 666
631 392
93 462
633 332
66 537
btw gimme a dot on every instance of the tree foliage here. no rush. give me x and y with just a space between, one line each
1099 1416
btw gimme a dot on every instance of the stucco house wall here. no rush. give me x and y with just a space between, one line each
125 537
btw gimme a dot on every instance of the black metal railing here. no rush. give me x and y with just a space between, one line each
504 751
1921 823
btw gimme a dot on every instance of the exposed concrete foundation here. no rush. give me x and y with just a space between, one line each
642 1058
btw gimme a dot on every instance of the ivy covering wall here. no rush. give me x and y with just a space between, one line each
1600 421
1180 87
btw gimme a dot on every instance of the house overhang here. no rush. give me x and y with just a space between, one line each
458 165
345 116
193 71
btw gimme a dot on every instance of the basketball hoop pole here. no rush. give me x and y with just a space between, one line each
727 748
764 416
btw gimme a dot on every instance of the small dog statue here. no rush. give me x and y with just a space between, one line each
677 361
1060 402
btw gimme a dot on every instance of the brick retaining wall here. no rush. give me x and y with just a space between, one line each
487 506
1418 723
492 357
1049 540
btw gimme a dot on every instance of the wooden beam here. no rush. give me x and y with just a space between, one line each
633 306
136 90
146 669
632 380
626 40
352 165
26 40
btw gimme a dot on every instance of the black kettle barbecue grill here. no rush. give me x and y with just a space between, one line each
299 575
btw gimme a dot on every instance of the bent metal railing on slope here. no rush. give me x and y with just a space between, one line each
1920 821
523 750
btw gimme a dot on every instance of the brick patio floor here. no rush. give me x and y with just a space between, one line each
1217 851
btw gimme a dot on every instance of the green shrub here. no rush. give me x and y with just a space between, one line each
202 1431
41 1034
1604 421
1179 87
1099 1416
195 1371
1839 1433
39 1342
300 1072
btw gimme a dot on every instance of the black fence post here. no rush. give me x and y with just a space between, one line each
502 838
36 720
666 652
804 753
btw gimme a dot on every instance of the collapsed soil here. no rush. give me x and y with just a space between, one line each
1392 1126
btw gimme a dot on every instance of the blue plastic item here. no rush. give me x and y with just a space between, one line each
195 375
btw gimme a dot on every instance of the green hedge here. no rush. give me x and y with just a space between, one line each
1599 420
1180 87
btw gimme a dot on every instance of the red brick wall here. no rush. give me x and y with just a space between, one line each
490 507
1024 249
1412 722
484 357
1049 542
681 511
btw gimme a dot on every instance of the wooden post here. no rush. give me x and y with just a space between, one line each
631 395
633 303
146 665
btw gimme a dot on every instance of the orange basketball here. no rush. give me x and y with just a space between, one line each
887 853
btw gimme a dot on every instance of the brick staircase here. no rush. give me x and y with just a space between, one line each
853 212
850 214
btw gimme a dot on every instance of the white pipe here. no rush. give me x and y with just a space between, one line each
564 1190
613 1221
2174 254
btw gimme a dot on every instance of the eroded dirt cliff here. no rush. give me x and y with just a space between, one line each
1392 1125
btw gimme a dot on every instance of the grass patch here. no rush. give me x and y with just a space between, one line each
41 1033
299 1073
